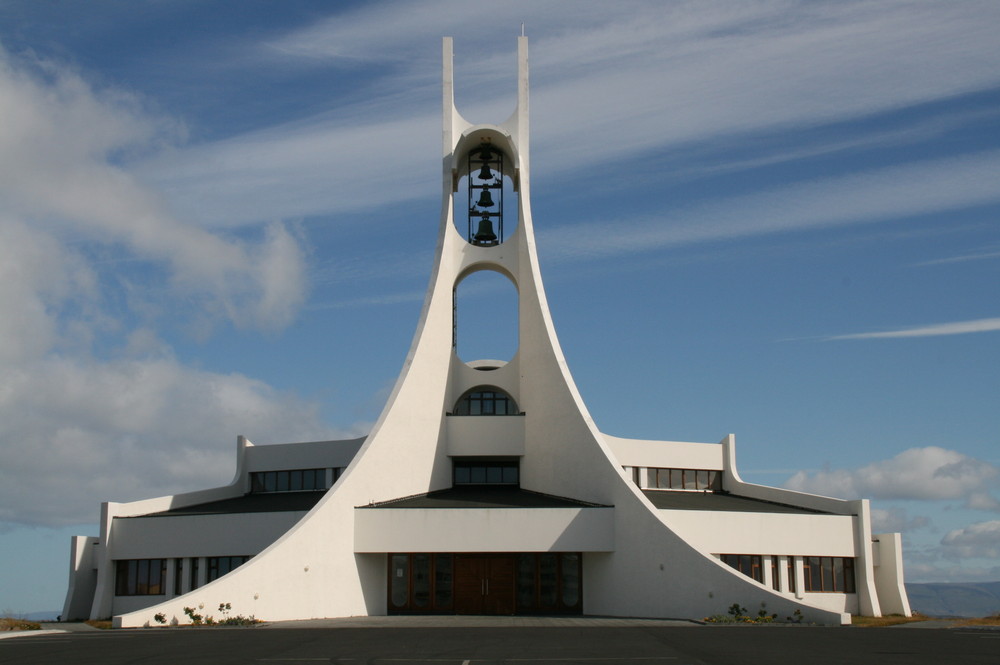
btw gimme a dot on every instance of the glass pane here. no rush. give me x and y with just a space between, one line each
570 579
526 581
270 481
256 482
815 577
547 580
494 474
702 479
690 479
838 573
282 481
462 475
295 480
478 474
775 577
155 576
510 475
676 479
714 480
791 574
142 577
421 580
400 572
442 581
663 479
849 586
828 573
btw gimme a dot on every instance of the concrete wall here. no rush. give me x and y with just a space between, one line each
484 530
198 535
485 435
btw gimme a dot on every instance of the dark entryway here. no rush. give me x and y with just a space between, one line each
486 583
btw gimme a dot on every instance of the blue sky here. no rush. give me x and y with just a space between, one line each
773 218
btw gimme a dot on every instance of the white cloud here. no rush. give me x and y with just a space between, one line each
935 330
77 426
60 144
917 473
975 541
77 432
894 519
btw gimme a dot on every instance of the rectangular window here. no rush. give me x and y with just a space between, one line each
465 472
292 480
829 574
748 564
140 577
220 565
685 479
178 576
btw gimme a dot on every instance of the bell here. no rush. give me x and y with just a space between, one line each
485 235
485 200
485 173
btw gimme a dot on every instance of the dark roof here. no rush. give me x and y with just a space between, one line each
265 502
484 496
721 501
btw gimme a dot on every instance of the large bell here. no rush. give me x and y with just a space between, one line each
485 173
485 235
485 200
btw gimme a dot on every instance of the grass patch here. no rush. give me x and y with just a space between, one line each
10 623
991 620
102 624
883 621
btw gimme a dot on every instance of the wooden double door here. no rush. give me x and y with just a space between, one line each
484 584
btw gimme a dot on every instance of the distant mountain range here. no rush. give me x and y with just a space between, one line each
973 599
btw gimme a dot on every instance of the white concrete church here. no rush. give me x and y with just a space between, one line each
485 487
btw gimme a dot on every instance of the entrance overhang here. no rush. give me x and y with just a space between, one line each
484 530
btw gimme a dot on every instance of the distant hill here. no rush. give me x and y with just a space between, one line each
973 599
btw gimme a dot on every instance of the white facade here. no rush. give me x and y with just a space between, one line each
442 509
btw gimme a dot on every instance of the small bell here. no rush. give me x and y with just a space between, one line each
485 200
485 173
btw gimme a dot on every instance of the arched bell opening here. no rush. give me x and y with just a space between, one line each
485 196
485 322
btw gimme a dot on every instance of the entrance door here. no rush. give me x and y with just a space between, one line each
484 584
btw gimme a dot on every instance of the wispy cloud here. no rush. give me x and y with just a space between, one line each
869 196
934 330
979 256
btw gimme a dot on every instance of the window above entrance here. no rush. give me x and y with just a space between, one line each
481 472
486 401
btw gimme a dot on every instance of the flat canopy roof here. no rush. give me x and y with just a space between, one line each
721 501
484 496
264 502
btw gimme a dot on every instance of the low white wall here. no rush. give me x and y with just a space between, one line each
122 604
484 530
666 454
198 535
722 532
485 435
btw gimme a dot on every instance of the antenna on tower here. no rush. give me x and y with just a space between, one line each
522 28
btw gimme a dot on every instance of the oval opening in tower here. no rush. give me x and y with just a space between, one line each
486 320
485 200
